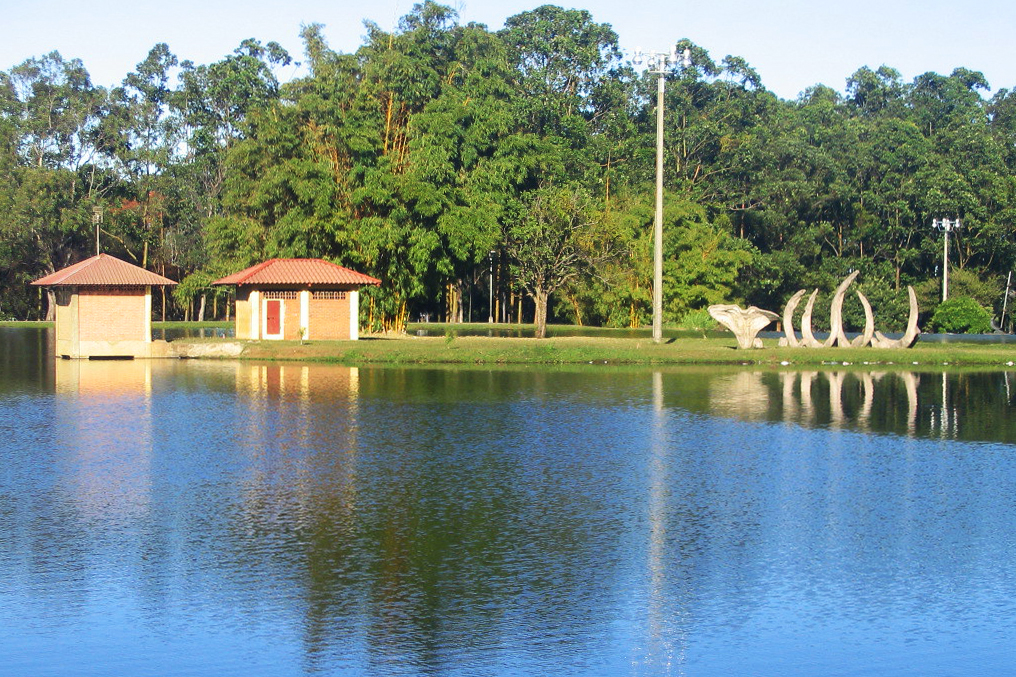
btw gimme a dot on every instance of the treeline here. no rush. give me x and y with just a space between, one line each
506 174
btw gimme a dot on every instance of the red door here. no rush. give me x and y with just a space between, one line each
273 317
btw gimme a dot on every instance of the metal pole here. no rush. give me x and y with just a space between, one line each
1005 301
97 220
945 260
658 229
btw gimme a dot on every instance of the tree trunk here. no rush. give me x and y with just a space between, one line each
201 309
461 287
540 297
453 305
50 304
577 308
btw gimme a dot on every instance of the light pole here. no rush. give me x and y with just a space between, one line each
97 220
946 226
490 317
657 64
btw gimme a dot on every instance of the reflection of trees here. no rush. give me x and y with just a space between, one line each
24 358
430 525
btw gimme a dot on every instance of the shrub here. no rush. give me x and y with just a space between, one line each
961 316
697 320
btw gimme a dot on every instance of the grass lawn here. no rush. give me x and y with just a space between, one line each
19 323
193 325
155 325
600 350
606 347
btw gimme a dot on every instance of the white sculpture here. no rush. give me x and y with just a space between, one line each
880 341
837 336
745 324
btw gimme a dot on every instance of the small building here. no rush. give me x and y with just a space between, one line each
104 309
296 299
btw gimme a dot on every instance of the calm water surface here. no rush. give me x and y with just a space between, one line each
223 518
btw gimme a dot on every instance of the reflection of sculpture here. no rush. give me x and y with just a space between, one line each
834 399
836 333
798 405
746 324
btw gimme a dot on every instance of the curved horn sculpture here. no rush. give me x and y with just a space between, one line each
788 319
869 323
836 335
880 340
807 338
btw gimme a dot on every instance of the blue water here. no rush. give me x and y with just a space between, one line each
216 518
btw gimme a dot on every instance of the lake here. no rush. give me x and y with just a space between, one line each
237 518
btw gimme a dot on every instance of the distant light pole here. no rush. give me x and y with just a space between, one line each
490 317
946 226
96 219
657 64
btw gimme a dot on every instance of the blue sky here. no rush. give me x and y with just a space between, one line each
792 44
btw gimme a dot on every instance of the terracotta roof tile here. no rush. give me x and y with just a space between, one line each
103 270
298 271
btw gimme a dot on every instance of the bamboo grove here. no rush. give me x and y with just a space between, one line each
505 174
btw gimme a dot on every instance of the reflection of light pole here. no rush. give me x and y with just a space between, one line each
490 317
946 226
657 64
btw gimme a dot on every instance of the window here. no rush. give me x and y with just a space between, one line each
329 295
279 294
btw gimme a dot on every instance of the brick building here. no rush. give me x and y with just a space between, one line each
104 308
297 298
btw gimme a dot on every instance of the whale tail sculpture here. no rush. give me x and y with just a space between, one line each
745 324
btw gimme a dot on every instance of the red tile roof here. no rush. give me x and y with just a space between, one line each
103 270
298 271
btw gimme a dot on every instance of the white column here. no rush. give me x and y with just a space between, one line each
354 315
147 338
255 315
305 314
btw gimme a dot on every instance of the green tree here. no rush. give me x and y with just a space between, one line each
962 315
557 239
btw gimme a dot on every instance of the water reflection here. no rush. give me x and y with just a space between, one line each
104 417
665 615
316 519
957 405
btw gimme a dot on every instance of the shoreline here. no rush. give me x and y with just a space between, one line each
451 349
473 350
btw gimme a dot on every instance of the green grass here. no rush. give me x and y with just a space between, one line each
192 325
20 323
155 325
557 330
445 345
597 350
